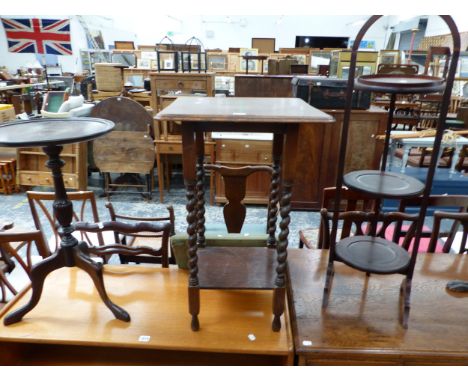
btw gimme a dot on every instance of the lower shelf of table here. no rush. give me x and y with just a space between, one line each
236 268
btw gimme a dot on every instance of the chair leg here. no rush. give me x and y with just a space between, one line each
405 294
148 186
4 281
160 177
2 289
328 284
168 172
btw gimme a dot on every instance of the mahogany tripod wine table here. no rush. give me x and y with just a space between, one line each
51 135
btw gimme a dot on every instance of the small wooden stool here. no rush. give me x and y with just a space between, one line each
8 176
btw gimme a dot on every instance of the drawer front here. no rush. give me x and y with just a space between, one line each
35 179
247 152
180 84
169 148
30 178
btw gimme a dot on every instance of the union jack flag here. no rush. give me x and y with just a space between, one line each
43 36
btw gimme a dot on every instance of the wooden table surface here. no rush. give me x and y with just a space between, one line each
71 313
361 325
243 109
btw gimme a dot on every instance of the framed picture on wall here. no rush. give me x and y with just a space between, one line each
168 63
143 63
218 62
301 58
389 57
253 64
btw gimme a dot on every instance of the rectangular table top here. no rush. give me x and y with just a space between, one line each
71 312
362 319
243 109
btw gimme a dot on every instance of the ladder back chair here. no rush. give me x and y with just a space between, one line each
440 204
232 232
8 252
85 209
351 201
458 218
150 238
139 254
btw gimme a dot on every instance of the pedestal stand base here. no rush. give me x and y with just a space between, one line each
66 257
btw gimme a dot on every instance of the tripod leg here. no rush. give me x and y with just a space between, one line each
38 274
94 270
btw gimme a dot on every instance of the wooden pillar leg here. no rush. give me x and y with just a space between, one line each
189 160
160 174
289 163
274 190
200 189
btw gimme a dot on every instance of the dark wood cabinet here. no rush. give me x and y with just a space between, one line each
252 85
317 156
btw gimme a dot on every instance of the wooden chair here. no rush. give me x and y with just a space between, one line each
233 232
85 209
457 217
369 223
444 207
129 148
352 201
149 239
139 254
9 252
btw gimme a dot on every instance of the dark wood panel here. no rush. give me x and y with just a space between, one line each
262 86
318 153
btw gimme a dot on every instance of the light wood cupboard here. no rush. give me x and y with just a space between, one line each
32 170
177 83
238 153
